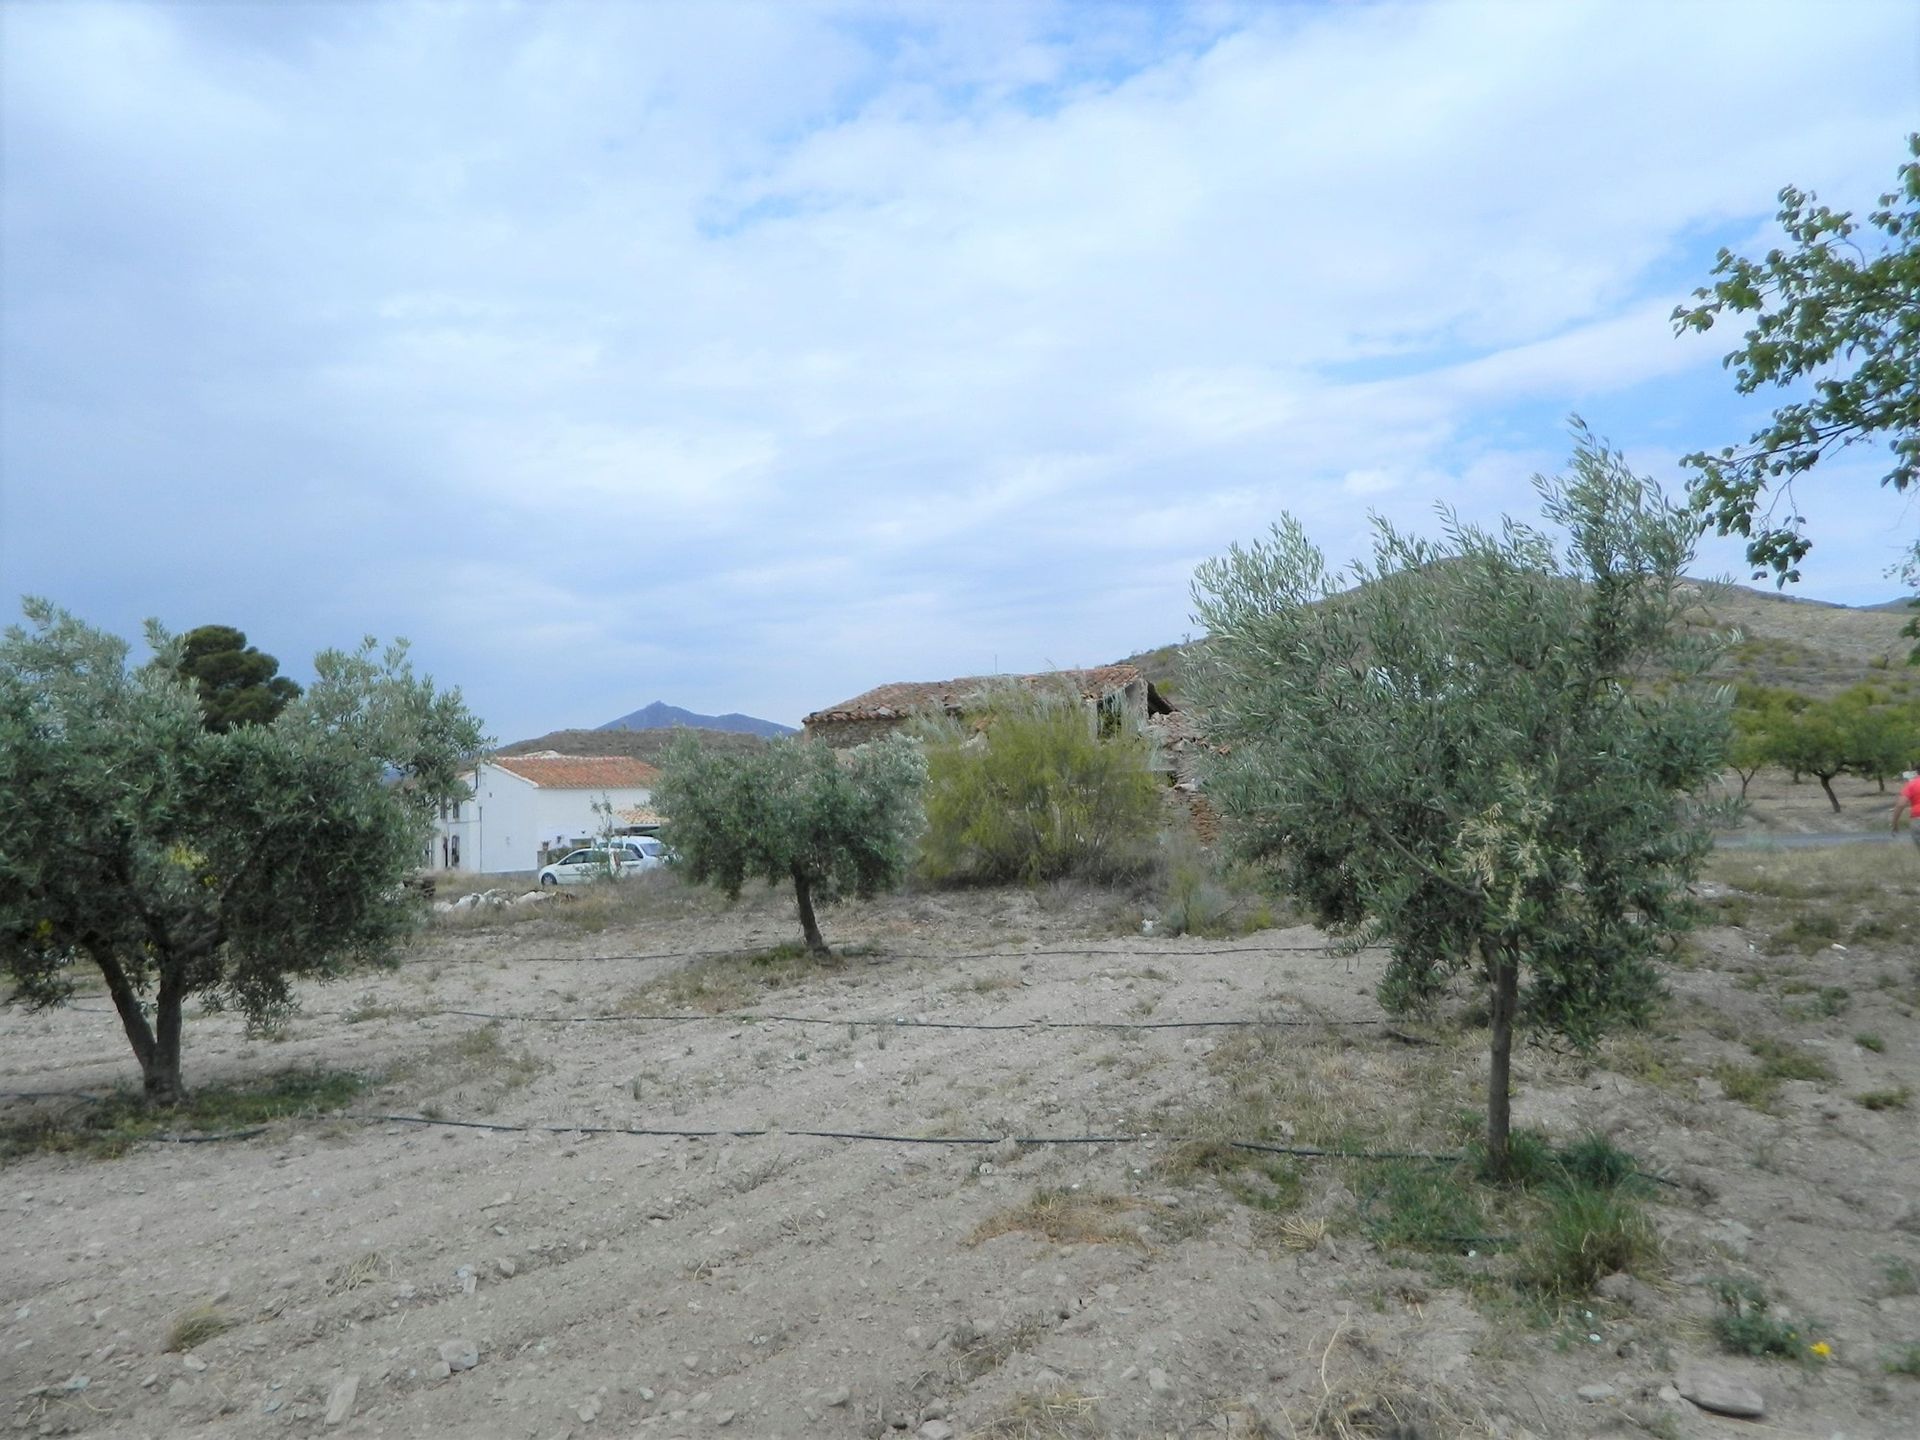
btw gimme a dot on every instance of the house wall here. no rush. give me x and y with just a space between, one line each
844 734
502 827
1130 701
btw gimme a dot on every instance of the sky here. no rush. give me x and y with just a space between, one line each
747 356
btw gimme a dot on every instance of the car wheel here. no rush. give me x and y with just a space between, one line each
547 881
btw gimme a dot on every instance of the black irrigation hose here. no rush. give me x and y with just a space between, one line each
750 1018
1308 1152
1263 1147
52 1095
735 950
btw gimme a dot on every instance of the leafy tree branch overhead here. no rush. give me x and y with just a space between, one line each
1831 311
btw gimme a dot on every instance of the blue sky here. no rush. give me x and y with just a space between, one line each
748 355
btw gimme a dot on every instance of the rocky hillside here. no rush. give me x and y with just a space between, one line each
1810 646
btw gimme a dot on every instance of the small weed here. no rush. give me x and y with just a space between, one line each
195 1326
1897 1098
1257 1180
1645 1060
1788 1061
125 1119
1905 1361
1068 1217
987 1353
368 1007
724 984
1807 931
1595 1161
1870 1042
1585 1233
1898 1277
1424 1207
477 1064
1745 1325
1748 1084
1831 1000
1056 1415
1759 1084
369 1269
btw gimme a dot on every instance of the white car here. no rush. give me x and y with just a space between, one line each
626 857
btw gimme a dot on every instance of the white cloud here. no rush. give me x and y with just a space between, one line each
832 342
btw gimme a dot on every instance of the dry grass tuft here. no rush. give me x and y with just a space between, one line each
1068 1217
369 1269
195 1326
1380 1404
1057 1415
1300 1232
727 984
475 1071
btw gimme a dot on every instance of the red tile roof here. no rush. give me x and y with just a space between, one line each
894 702
580 772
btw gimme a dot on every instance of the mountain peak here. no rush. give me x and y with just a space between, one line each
661 716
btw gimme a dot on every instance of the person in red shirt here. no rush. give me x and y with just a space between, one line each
1907 807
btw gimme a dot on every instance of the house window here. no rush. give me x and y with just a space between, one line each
453 852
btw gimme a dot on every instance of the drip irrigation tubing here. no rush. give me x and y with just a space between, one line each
855 950
1263 1147
744 1017
1309 1152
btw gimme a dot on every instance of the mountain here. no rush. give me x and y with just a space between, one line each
639 744
662 716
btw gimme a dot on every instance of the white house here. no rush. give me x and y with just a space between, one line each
520 803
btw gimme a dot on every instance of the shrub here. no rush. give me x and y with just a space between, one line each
1745 1325
1036 794
1584 1233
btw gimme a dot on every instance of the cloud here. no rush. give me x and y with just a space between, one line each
747 356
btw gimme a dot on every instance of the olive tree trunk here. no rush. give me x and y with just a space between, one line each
157 1044
1503 974
803 901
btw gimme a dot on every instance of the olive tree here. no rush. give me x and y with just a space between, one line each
184 862
833 822
1481 755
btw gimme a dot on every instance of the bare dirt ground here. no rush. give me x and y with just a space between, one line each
779 1285
1776 805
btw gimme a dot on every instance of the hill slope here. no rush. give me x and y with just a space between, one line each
1808 646
662 716
639 744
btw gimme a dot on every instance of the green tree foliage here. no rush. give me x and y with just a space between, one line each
1829 310
1812 740
1043 789
833 822
1461 757
1882 732
1866 731
182 861
238 684
1759 713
